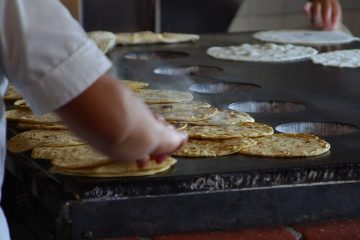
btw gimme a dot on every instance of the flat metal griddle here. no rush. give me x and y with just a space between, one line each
224 192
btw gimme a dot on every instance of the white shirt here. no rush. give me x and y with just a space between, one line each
47 56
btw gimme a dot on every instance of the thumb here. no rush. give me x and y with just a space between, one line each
169 142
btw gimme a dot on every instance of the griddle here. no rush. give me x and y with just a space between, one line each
234 191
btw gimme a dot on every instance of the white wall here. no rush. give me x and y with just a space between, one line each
273 14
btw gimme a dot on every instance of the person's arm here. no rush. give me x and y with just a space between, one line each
116 122
56 67
324 14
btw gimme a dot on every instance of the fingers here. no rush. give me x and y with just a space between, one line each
324 14
170 142
316 14
336 17
141 163
307 9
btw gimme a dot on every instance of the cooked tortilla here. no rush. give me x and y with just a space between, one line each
251 129
287 145
214 148
37 138
163 96
118 169
148 37
26 116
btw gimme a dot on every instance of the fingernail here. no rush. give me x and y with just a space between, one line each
160 159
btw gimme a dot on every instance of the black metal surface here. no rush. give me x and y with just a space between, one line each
200 16
117 16
250 190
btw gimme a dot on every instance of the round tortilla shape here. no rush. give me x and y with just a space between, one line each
21 104
11 94
251 129
225 117
214 148
37 138
26 116
148 37
307 37
341 58
41 126
268 52
287 145
180 106
133 85
118 169
71 157
163 96
191 115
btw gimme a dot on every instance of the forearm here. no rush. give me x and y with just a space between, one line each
112 120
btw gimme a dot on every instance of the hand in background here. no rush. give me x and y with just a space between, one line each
324 14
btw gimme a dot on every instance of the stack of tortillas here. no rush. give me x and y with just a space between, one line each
70 155
148 37
67 153
212 132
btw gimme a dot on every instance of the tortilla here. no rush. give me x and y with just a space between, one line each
148 37
104 40
21 104
287 145
133 85
37 138
268 52
26 116
168 37
11 94
79 156
41 126
163 96
251 129
214 148
225 117
180 106
118 169
179 126
341 58
307 37
192 115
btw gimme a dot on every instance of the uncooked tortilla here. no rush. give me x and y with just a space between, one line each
308 37
268 52
341 58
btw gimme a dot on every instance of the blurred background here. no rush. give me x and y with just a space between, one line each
199 16
271 14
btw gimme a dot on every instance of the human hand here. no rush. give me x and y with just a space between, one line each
324 14
149 136
117 123
163 151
